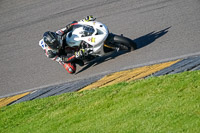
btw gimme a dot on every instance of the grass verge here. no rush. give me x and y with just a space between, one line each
168 103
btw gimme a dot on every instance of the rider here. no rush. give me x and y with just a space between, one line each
56 48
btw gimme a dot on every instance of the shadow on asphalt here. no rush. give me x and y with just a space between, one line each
141 42
102 59
149 38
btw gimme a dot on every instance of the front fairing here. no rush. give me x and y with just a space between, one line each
93 33
75 36
71 40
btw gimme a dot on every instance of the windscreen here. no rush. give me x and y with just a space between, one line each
86 30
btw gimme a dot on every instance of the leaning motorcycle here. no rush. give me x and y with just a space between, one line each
98 40
95 38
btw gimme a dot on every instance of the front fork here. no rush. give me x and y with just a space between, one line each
109 43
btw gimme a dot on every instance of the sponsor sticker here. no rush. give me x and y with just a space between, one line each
93 39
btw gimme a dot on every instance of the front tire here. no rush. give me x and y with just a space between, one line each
124 43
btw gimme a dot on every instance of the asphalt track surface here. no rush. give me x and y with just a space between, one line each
163 30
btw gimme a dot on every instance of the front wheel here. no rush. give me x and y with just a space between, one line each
121 42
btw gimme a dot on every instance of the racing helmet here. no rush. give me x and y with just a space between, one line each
51 39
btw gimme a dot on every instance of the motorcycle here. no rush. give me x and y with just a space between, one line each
95 38
98 39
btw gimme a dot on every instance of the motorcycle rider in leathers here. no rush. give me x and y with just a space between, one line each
56 48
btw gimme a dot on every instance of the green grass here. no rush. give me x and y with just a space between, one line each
158 104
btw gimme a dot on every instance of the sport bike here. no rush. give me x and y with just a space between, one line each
98 40
95 39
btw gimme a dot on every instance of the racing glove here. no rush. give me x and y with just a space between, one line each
81 54
89 18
